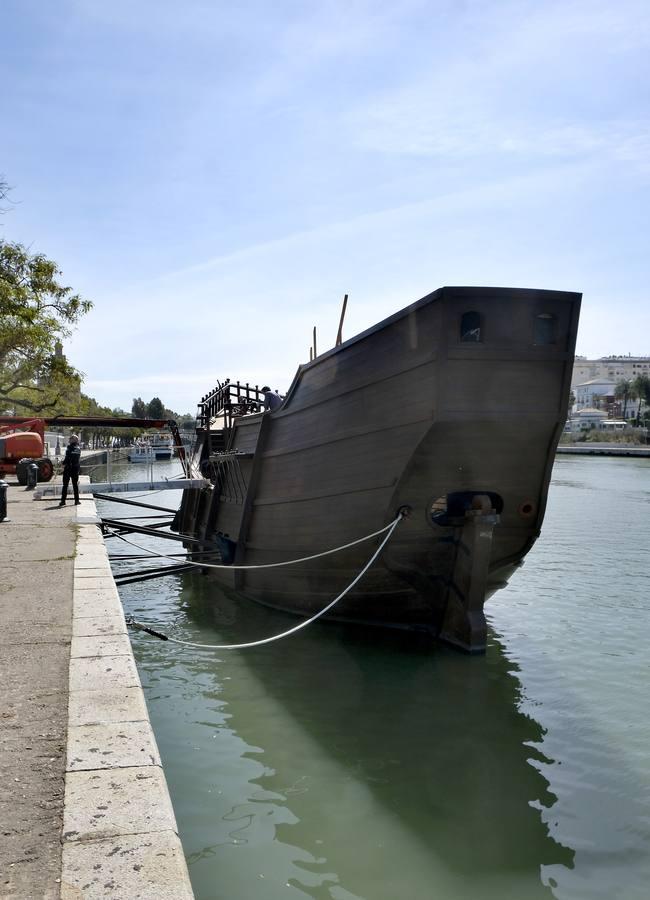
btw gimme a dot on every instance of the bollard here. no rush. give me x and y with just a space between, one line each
32 476
21 470
3 500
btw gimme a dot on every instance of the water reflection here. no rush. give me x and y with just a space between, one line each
343 763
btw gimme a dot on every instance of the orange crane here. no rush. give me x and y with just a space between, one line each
16 443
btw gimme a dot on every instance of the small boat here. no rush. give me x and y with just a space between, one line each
151 447
448 411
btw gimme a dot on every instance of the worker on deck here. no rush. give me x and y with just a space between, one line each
71 466
272 400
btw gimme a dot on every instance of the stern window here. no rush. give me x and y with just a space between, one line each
545 329
470 326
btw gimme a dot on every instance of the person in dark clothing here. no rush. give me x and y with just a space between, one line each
272 400
71 465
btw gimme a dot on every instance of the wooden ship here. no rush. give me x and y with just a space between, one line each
449 410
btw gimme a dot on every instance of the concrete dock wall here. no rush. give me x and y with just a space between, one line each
602 449
119 828
109 828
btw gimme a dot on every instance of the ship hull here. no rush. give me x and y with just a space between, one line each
408 415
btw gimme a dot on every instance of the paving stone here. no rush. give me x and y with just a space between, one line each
85 584
91 562
99 672
115 802
116 745
102 645
105 706
90 534
84 574
96 603
137 867
88 626
83 517
102 582
91 546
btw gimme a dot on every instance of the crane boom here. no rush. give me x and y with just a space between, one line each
37 424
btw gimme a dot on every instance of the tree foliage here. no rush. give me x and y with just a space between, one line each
638 388
155 408
139 408
4 191
625 390
641 386
36 313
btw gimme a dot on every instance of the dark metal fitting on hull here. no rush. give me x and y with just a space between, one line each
463 623
405 511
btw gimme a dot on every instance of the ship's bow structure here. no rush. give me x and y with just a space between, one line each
449 410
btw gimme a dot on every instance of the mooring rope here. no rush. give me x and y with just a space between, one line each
149 627
288 562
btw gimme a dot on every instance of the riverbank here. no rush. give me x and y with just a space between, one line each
100 457
593 448
84 806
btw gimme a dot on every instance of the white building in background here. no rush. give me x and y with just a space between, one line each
586 419
588 390
612 368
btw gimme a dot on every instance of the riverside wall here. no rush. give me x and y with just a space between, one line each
84 808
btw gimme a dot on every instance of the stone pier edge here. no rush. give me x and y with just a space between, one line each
120 837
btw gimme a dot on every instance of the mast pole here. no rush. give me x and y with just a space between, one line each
339 335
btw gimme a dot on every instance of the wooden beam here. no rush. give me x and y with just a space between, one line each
339 334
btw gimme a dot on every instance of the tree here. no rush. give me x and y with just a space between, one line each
641 385
625 390
4 191
155 408
139 408
36 313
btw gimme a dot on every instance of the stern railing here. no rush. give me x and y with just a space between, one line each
228 400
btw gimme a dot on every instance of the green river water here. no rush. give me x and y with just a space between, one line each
342 763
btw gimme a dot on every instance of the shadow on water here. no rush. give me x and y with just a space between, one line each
383 768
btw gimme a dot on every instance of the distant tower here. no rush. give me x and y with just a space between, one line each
58 350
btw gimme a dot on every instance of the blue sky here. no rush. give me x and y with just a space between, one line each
216 176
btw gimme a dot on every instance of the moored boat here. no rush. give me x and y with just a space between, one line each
450 410
151 447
